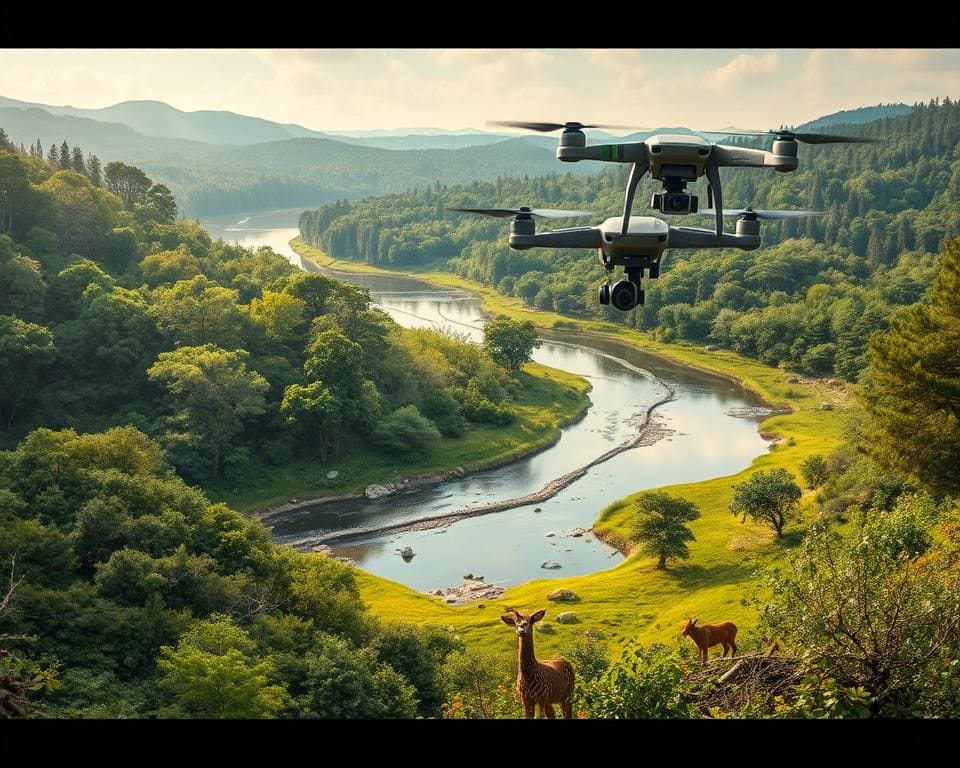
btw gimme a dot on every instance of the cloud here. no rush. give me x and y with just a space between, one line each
744 69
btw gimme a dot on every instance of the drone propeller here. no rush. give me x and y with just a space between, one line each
547 127
806 138
543 213
771 215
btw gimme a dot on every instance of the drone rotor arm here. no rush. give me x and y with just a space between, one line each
575 237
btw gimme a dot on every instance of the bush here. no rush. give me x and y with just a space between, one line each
642 684
814 471
406 434
445 412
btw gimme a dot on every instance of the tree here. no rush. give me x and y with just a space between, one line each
127 182
25 348
77 162
876 607
914 400
337 361
406 434
210 392
198 311
418 652
161 200
169 266
94 170
342 682
214 672
769 497
814 470
280 314
511 342
53 156
22 289
312 408
313 289
660 528
64 156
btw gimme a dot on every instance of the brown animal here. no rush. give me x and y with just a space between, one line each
708 635
540 682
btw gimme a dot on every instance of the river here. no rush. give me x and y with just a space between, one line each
707 439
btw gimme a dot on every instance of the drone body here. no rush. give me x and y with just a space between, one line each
641 248
639 243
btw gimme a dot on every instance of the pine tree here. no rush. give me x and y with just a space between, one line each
53 157
77 162
94 171
64 155
914 400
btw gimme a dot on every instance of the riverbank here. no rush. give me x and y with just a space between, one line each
648 433
549 399
633 600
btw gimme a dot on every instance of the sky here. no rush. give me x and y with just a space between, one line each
356 89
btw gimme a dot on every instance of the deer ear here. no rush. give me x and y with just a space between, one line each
508 619
696 620
538 615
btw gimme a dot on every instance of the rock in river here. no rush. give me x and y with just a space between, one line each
550 564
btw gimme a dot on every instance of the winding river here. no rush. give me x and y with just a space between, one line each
705 438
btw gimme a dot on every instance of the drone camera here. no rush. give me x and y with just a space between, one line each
677 203
624 295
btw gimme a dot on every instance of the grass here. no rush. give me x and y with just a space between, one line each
633 600
548 399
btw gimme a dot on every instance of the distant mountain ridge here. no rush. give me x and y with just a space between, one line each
856 116
220 162
160 120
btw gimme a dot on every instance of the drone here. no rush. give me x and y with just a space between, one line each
639 243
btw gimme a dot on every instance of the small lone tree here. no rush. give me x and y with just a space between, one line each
511 342
814 471
769 497
660 528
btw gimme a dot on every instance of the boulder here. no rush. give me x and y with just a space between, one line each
563 595
793 380
332 474
538 509
376 491
567 617
826 406
544 626
549 534
550 564
711 348
468 577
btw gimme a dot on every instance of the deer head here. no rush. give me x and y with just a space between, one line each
524 624
688 626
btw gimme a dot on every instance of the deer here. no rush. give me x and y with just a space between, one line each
708 635
540 682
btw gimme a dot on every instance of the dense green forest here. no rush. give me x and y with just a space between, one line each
133 349
809 299
114 312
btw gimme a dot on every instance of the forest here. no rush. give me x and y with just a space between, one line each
807 300
140 361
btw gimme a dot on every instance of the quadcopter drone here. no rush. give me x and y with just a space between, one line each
638 243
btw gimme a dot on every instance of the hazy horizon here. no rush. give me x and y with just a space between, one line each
451 89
